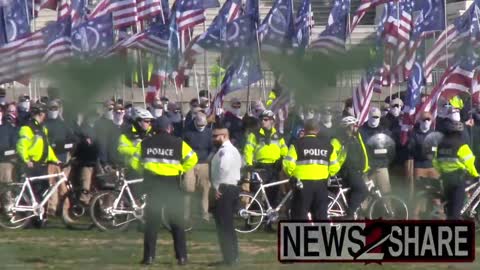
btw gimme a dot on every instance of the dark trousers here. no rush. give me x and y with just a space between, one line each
164 191
358 190
223 214
313 198
269 175
39 186
454 192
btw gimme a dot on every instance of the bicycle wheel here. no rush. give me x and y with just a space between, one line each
388 207
75 215
105 217
10 219
336 210
249 215
166 222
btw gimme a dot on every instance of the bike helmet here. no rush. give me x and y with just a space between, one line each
38 108
454 126
267 114
141 113
348 121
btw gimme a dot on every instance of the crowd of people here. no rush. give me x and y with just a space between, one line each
311 145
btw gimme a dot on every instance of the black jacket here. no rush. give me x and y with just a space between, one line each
201 143
235 128
422 157
375 160
8 140
59 134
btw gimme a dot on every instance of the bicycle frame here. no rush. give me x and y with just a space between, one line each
474 197
341 195
261 191
35 207
126 188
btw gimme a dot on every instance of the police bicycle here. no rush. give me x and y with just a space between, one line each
378 205
19 204
115 209
256 209
432 204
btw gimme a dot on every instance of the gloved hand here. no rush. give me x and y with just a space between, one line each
293 181
108 168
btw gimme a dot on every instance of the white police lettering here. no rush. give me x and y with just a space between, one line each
315 152
160 151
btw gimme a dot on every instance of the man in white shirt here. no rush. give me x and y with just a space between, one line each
225 174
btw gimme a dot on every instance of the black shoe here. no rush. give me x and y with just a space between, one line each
39 224
147 261
182 261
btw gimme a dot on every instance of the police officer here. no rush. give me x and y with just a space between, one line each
353 159
311 160
163 159
134 133
33 147
454 160
264 149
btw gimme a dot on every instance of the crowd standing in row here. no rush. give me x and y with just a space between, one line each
311 145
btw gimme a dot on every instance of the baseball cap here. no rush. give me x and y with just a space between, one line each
374 112
396 101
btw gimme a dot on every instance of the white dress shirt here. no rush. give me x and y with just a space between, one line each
226 165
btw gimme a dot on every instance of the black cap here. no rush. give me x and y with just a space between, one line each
161 124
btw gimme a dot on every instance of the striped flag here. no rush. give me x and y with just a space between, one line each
191 12
147 9
124 12
333 38
303 25
57 37
362 95
449 40
21 57
153 40
365 6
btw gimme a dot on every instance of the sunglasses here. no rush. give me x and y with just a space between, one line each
265 119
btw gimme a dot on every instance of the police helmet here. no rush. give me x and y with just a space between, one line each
38 108
141 113
267 114
348 121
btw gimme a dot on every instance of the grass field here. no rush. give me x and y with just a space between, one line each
58 248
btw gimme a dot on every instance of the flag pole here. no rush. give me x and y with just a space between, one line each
142 78
195 75
205 63
446 32
163 90
260 63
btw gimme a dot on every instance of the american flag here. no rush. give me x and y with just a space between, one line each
15 23
147 9
457 78
362 95
365 6
449 40
415 84
303 25
191 12
430 19
397 36
251 7
153 40
124 12
57 38
21 57
333 38
277 29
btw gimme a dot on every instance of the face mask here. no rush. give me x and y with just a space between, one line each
24 106
108 115
236 112
200 128
118 118
310 115
327 119
350 111
395 111
53 114
455 116
373 122
157 113
425 126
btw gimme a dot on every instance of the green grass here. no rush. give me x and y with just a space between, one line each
58 248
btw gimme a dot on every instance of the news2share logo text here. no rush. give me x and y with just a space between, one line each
377 241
